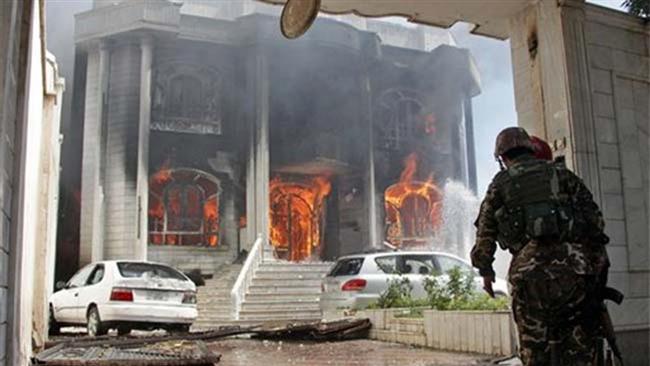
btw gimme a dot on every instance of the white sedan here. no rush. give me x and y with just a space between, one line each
124 295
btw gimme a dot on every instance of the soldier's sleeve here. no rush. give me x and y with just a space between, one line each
588 210
482 253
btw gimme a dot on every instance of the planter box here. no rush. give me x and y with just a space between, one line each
486 332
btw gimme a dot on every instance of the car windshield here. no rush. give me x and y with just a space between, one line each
148 270
347 267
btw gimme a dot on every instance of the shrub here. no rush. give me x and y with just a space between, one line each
397 295
457 293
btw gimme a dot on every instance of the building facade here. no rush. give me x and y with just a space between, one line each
203 128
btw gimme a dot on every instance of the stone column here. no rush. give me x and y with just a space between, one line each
366 90
257 169
142 188
262 153
92 196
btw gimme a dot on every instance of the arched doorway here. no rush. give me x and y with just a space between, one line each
183 208
296 214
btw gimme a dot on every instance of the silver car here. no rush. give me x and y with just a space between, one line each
357 281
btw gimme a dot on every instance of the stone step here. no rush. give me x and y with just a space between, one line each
279 315
288 290
286 282
261 297
288 275
292 266
213 308
220 300
217 294
214 314
285 306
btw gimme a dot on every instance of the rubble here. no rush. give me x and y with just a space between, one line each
187 348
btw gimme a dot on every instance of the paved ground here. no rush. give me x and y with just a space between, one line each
246 352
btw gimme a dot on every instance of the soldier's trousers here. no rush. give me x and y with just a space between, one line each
549 292
577 345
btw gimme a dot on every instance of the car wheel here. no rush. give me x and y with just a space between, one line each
182 328
94 323
53 327
123 330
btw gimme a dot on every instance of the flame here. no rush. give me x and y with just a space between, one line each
296 211
413 208
211 218
164 173
191 218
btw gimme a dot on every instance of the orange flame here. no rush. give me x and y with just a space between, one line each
413 208
168 213
164 174
296 211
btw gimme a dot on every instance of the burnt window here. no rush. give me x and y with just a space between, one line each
401 118
183 208
184 98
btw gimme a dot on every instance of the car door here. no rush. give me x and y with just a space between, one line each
90 292
64 302
447 263
386 271
416 267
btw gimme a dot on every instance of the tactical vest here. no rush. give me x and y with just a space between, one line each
535 206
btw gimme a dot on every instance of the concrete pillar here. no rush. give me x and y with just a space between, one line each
142 185
373 232
552 91
92 195
262 153
257 168
581 81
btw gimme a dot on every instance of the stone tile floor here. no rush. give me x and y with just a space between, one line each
249 352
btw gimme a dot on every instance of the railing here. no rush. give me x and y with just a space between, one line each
246 277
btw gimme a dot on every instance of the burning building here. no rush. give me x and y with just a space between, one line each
203 128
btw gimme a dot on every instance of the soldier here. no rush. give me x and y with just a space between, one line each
546 217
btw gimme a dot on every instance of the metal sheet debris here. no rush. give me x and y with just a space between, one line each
187 348
193 353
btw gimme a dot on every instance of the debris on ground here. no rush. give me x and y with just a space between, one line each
190 353
187 348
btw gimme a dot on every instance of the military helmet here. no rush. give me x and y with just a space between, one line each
511 138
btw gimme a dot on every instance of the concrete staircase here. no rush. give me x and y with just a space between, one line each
213 299
284 291
279 291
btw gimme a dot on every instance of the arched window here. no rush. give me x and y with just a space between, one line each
184 97
183 208
400 116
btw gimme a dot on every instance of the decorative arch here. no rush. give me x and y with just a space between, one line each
401 117
184 208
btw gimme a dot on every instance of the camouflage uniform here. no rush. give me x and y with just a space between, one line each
552 281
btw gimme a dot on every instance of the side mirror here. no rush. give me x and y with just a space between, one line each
60 285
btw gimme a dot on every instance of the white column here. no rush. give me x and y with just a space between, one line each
91 231
262 154
146 46
373 236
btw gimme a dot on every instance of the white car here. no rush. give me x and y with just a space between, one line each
124 295
357 281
